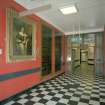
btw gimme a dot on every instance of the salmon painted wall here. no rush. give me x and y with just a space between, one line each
15 85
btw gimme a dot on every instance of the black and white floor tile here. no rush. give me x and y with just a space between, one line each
81 87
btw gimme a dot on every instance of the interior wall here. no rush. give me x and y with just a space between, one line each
29 72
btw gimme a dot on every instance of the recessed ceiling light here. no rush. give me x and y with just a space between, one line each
68 10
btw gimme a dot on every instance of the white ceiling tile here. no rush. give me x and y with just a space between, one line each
91 13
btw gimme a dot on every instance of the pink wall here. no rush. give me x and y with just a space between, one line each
12 86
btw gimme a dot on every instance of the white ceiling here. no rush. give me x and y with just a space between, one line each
91 15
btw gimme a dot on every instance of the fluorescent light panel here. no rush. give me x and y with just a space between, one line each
69 10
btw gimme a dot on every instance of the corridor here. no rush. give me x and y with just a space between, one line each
80 87
52 52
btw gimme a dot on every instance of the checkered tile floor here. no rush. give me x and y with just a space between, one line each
78 88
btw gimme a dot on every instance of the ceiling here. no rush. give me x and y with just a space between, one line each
90 16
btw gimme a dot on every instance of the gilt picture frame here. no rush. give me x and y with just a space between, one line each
21 38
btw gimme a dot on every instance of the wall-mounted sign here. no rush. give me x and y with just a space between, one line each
76 39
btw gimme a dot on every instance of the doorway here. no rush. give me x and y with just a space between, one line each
88 51
46 50
87 57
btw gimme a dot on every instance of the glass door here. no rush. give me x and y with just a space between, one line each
58 51
99 54
75 56
46 50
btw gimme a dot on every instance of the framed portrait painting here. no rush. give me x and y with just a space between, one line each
21 37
